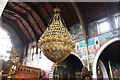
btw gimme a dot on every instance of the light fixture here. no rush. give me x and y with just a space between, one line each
56 43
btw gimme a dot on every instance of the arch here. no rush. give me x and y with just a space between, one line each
53 66
103 69
78 57
99 53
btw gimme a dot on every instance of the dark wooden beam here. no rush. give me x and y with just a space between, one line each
27 20
49 8
21 23
44 6
34 18
37 12
64 4
18 30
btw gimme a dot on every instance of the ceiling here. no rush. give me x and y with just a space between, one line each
30 19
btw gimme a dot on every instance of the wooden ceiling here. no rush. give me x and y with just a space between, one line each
30 19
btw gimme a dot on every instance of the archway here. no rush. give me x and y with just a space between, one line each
78 57
101 70
53 66
68 67
99 56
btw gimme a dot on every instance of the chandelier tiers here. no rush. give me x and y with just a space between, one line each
56 43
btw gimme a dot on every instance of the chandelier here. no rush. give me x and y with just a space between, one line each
56 43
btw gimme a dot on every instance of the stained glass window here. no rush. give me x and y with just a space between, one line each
5 45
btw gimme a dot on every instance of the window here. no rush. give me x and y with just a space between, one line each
103 26
117 19
5 45
77 46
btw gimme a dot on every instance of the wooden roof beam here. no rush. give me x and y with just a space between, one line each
27 20
20 23
40 17
10 22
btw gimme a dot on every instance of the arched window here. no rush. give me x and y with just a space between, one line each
5 45
103 26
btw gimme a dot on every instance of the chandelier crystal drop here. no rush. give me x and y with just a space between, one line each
56 43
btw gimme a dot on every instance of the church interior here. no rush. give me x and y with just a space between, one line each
59 40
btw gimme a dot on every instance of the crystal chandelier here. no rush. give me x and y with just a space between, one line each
56 43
